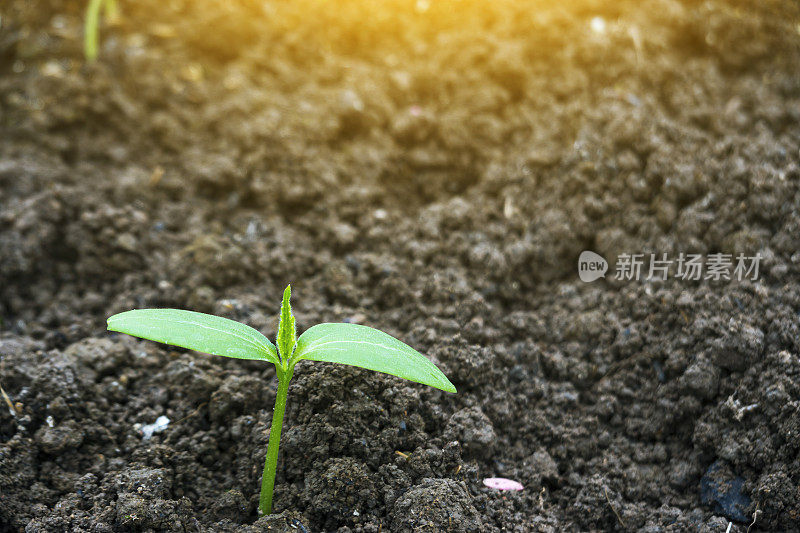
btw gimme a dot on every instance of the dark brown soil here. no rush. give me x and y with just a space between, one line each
433 169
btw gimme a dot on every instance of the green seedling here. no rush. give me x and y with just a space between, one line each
349 344
92 22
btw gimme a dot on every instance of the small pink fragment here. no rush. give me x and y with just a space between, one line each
501 483
415 110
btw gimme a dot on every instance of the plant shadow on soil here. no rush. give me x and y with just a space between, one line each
431 172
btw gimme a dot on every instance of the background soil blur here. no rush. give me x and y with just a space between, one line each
433 169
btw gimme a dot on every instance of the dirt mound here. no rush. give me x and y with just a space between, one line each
432 170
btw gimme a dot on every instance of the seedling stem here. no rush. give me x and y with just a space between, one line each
271 462
92 22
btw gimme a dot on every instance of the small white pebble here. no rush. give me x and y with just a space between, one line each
50 421
160 425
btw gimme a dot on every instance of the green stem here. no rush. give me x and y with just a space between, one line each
90 29
90 35
271 463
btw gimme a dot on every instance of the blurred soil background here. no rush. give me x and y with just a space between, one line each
433 169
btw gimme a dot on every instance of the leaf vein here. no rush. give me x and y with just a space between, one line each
259 346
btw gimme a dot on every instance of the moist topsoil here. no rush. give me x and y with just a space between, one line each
433 169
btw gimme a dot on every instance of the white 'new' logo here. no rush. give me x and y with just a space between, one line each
591 266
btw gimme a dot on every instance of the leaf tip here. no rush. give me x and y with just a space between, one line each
110 322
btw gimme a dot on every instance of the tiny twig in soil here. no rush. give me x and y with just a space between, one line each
193 413
11 408
612 508
755 516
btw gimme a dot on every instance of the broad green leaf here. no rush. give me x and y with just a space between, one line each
287 333
196 331
352 344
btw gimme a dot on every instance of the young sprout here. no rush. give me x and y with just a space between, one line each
93 21
349 344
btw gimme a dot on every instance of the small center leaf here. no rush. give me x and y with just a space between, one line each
287 333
